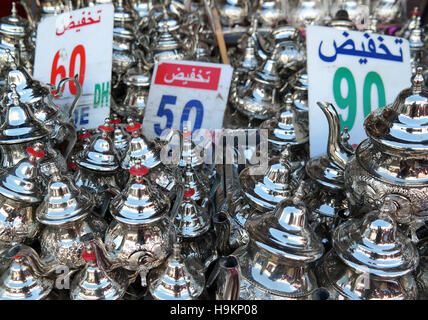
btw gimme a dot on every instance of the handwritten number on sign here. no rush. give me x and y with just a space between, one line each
60 70
164 112
350 100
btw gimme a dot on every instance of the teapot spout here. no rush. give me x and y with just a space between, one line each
227 276
222 231
337 150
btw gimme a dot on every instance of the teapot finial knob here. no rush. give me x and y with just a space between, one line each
285 155
138 170
106 128
133 127
15 95
345 135
115 119
300 193
189 192
288 101
418 81
14 11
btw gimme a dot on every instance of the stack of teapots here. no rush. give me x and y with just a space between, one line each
21 192
139 235
392 163
277 262
67 214
370 260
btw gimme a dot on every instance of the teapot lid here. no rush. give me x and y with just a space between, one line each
285 129
137 76
20 125
173 280
265 191
341 21
122 13
94 283
140 148
269 72
165 40
196 182
169 19
20 281
64 202
403 126
374 245
191 220
101 154
139 203
416 36
20 182
249 61
300 80
286 231
191 153
14 25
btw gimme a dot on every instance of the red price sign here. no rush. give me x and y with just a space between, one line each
60 70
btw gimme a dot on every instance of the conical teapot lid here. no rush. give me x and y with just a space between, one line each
249 62
122 13
374 245
402 127
169 19
14 25
197 183
191 153
140 148
101 154
20 182
165 40
20 125
285 129
139 203
173 281
265 191
191 220
137 76
94 283
300 80
286 231
20 282
64 202
269 72
120 137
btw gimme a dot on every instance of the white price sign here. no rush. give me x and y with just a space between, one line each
186 91
357 72
79 43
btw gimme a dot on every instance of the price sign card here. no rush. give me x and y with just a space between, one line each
79 43
357 72
184 91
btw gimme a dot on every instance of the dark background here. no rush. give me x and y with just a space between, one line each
6 5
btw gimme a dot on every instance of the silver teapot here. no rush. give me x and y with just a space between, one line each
137 81
139 236
21 192
120 136
97 281
99 165
233 12
370 260
281 243
272 12
260 97
192 225
19 131
392 162
15 35
173 280
67 217
308 12
37 95
387 11
27 277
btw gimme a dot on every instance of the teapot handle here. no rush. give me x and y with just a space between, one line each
78 94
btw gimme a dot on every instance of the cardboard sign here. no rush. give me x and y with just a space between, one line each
357 72
79 43
187 91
